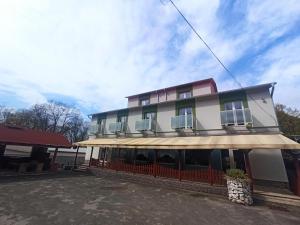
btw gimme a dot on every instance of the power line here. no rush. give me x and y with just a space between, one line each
218 59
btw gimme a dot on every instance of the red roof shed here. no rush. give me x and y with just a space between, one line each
11 135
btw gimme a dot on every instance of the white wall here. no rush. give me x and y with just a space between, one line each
153 98
133 115
110 118
267 164
171 95
18 150
133 102
201 90
208 113
164 114
258 100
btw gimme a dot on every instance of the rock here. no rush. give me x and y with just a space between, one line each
239 192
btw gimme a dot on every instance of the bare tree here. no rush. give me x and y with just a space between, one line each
53 117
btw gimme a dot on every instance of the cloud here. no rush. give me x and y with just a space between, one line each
97 52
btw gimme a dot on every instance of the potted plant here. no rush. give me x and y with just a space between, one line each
238 185
249 126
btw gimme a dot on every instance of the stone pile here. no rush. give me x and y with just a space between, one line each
239 191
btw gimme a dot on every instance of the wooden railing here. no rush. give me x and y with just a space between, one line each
207 175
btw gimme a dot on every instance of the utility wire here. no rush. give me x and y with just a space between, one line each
219 60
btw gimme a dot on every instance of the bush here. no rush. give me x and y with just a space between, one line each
236 174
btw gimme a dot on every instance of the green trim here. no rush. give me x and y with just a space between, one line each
101 116
233 96
185 103
149 109
123 112
184 89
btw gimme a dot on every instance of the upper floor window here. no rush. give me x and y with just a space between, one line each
185 94
235 113
150 115
145 101
122 119
185 111
101 124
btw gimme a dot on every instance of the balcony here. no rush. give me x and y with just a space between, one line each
94 128
236 117
182 122
144 125
116 127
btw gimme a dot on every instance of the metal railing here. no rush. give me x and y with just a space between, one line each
116 127
182 122
145 124
94 128
236 117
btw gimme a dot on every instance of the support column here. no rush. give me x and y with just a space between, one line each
210 175
91 156
134 157
231 159
297 181
248 167
179 164
54 158
76 155
104 150
2 149
155 163
99 156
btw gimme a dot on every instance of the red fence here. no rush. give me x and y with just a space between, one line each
206 175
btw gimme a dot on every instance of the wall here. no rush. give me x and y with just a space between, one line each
153 98
133 102
201 90
262 99
133 115
267 164
171 95
110 118
162 96
164 114
18 150
208 114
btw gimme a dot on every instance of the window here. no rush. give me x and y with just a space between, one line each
145 101
122 119
101 125
235 113
150 115
185 111
185 94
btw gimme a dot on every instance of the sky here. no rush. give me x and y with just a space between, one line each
91 54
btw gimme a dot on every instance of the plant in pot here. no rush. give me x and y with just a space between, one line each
238 185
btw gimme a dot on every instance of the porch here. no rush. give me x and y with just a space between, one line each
195 158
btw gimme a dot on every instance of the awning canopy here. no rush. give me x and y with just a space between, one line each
249 141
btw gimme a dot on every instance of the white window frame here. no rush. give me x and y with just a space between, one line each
145 101
183 94
234 113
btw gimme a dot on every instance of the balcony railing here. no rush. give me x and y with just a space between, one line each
94 128
182 122
116 127
236 117
143 125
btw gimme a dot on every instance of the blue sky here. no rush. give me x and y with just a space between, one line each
91 54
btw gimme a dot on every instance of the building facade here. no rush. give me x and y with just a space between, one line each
196 109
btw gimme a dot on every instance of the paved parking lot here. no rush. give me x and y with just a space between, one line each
85 199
